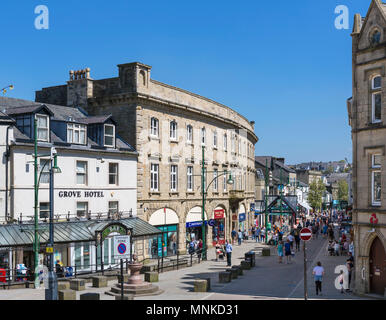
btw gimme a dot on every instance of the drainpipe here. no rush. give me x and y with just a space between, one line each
6 173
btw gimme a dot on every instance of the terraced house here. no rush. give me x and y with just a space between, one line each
175 132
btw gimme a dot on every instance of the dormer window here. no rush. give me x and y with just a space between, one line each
42 127
76 133
109 135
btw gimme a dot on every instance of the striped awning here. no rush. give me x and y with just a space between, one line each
66 232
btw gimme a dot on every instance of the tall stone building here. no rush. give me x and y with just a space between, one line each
172 130
367 118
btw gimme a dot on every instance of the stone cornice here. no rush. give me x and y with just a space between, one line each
132 97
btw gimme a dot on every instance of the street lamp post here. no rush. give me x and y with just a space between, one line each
204 190
52 292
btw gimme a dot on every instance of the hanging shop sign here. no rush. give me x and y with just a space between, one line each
219 214
242 217
234 217
195 224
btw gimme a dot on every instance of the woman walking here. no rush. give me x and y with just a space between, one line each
318 273
288 251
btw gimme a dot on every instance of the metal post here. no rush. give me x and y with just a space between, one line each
52 292
305 271
36 204
266 201
121 279
203 205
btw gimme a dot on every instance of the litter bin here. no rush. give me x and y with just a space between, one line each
251 258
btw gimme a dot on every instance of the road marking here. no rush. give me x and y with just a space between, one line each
308 270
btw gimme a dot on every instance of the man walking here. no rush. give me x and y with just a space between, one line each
228 249
240 237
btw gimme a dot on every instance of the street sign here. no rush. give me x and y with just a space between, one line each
306 234
122 247
212 223
49 250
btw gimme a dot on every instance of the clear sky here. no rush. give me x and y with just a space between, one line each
280 63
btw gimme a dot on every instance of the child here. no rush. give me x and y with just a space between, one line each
341 281
280 251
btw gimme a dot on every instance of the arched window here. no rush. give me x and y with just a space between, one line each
173 130
376 98
154 127
203 136
375 37
189 134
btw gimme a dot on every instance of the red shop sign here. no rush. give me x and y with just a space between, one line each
219 214
234 217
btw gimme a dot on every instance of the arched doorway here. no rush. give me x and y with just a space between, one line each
377 267
194 224
167 221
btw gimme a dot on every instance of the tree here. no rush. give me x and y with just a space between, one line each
315 194
343 190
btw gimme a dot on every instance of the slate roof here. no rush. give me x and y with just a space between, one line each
14 106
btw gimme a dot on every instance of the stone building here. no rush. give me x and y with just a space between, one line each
171 128
367 118
308 176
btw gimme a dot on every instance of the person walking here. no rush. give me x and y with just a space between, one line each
288 252
253 232
234 236
228 249
318 273
341 281
240 237
350 268
262 235
280 251
297 239
258 230
291 239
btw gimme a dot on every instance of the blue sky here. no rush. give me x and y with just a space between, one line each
280 63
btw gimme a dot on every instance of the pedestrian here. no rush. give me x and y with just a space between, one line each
318 273
234 236
280 251
341 281
291 239
350 268
228 249
253 232
258 230
336 248
217 248
199 249
240 236
262 235
288 252
297 240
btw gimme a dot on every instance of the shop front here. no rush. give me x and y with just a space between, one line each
165 244
194 225
218 226
242 218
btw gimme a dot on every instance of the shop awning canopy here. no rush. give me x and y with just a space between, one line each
67 232
305 205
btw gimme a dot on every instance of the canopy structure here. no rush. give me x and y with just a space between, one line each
305 205
12 235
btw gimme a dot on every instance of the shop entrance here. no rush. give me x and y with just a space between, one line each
377 267
218 227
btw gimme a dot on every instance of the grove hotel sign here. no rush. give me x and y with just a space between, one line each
80 194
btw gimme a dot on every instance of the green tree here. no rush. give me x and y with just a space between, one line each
343 190
315 194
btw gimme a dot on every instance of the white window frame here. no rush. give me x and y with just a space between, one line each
40 128
225 141
46 171
215 139
85 174
86 211
173 178
373 95
107 135
215 182
189 134
75 127
116 174
376 169
110 207
203 136
225 182
154 127
189 175
154 177
173 130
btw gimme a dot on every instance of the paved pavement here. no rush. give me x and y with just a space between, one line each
268 280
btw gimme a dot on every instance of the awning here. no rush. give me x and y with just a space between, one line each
305 205
67 232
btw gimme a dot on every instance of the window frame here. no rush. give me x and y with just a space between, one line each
203 136
189 179
154 127
154 177
215 180
39 115
46 172
77 210
173 178
173 136
189 134
114 174
85 174
375 169
215 142
46 210
375 91
111 136
82 128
